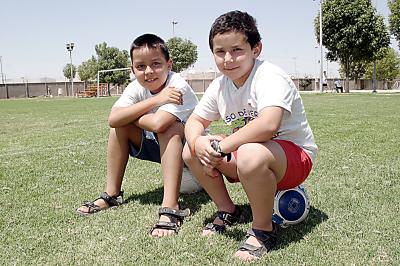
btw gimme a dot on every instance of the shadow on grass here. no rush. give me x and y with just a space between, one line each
192 201
233 232
287 235
296 233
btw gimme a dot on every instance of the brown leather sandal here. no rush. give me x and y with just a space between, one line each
176 219
228 219
112 201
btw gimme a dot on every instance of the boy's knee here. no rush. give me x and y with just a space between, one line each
118 131
176 128
187 155
249 160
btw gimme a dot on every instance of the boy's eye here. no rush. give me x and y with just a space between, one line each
237 49
140 67
156 64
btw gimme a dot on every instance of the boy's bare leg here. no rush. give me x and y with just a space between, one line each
171 168
259 176
117 158
215 187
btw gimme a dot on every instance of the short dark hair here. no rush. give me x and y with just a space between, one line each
235 21
151 41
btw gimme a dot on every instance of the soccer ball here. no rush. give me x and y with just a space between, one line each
291 206
189 183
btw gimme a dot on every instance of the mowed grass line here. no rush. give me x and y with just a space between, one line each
53 155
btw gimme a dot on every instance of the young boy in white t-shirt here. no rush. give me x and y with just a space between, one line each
271 146
147 122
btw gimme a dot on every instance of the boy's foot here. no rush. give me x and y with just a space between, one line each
222 220
105 201
258 243
169 223
159 232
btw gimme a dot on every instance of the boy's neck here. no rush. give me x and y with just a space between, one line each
161 87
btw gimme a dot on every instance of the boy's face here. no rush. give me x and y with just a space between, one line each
234 56
150 68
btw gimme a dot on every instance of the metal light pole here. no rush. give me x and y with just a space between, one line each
321 47
70 47
295 67
2 75
173 27
374 78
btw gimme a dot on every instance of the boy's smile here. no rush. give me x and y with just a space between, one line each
234 56
150 68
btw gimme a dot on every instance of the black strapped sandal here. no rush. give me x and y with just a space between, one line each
267 239
176 219
228 219
112 201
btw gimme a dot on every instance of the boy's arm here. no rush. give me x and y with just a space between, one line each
261 129
194 128
121 116
157 122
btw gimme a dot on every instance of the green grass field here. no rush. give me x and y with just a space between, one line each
53 155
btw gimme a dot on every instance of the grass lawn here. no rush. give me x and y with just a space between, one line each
53 156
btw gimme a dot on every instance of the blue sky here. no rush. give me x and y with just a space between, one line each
33 34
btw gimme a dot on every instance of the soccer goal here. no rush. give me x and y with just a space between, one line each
99 91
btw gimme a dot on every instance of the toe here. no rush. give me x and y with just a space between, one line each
244 255
207 232
83 209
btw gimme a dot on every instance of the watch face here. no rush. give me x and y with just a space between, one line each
215 145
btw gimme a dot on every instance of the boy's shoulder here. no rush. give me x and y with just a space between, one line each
176 80
268 71
266 67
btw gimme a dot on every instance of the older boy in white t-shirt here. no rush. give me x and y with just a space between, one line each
271 146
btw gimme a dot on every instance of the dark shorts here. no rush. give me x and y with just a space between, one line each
149 149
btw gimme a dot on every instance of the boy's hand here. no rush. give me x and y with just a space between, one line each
206 154
170 95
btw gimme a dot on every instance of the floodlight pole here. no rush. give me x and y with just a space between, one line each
1 65
3 79
374 79
70 47
173 27
321 47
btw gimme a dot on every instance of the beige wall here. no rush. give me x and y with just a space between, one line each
199 83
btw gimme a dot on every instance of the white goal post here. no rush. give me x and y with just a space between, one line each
107 70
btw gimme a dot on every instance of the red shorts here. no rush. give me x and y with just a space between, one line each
298 168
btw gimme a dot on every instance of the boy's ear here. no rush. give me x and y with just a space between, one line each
257 49
169 63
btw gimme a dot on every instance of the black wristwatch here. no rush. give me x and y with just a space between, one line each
217 148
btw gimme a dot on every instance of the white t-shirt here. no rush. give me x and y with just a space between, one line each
267 85
135 93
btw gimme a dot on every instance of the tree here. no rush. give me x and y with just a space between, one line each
356 70
394 18
106 58
67 71
111 58
387 68
88 69
352 32
183 53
